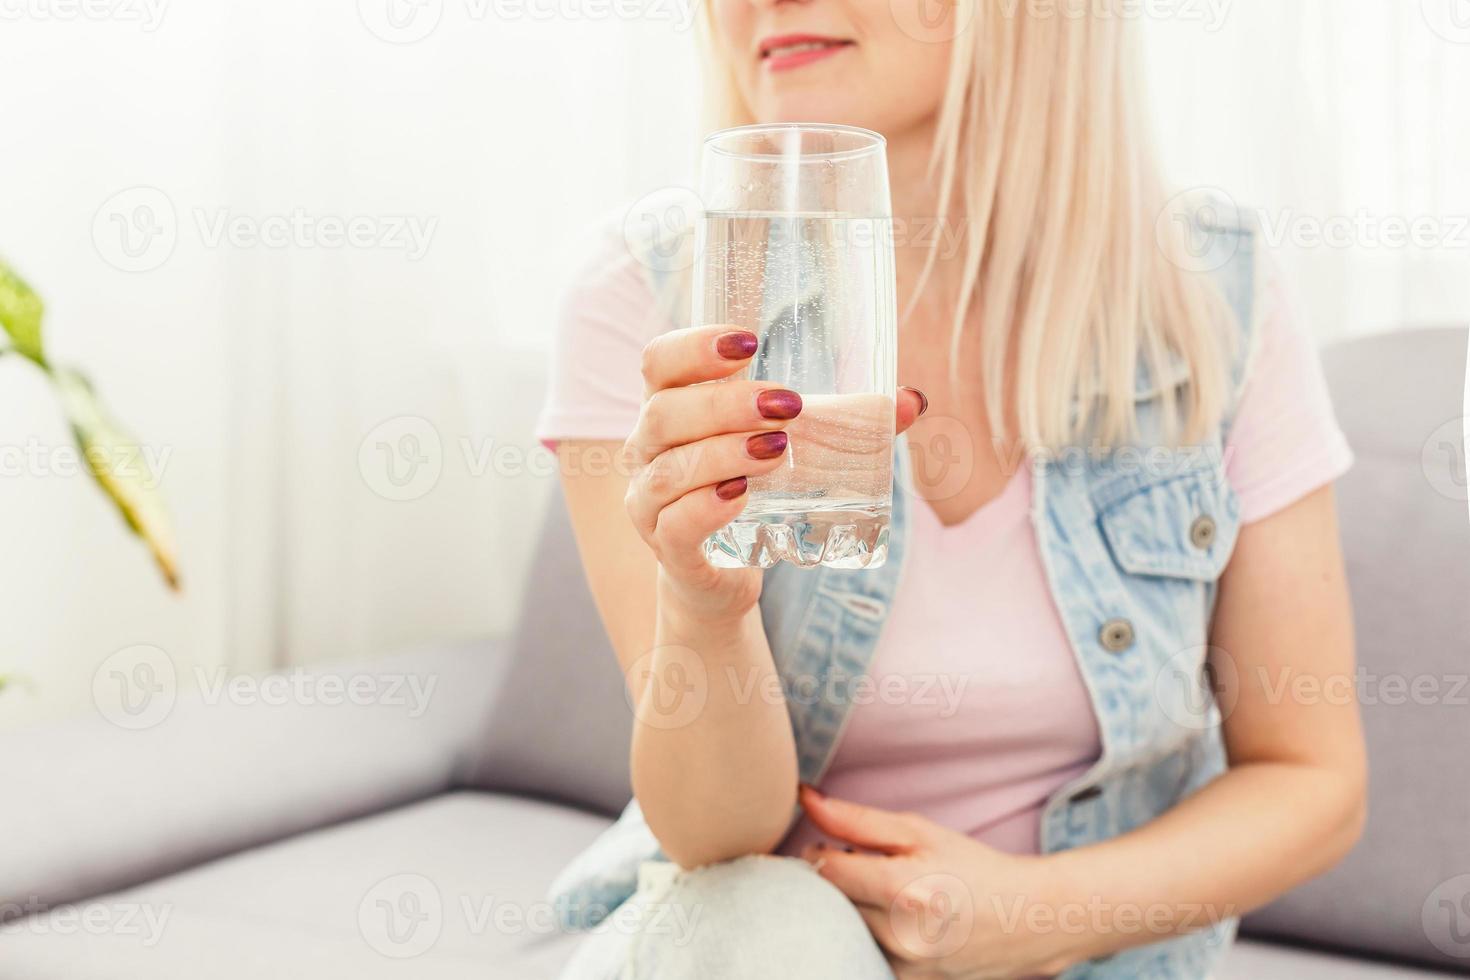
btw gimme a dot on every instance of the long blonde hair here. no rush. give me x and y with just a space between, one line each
1043 149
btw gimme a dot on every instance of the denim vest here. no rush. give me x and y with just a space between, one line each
1133 541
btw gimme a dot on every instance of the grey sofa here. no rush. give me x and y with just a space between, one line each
321 841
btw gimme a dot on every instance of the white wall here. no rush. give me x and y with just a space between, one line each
264 370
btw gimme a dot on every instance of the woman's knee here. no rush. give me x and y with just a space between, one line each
757 916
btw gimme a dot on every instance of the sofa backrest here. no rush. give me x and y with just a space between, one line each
561 725
1404 892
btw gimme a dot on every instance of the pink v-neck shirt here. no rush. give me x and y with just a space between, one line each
988 715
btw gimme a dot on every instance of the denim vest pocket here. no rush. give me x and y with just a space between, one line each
1182 526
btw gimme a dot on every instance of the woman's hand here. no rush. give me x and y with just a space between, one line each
693 453
939 903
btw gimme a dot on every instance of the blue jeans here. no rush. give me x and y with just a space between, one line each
771 918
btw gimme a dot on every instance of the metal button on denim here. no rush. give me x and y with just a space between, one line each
1116 635
1202 532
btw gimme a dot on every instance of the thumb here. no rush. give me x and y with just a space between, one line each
912 403
865 826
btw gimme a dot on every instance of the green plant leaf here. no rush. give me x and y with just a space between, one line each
21 311
115 461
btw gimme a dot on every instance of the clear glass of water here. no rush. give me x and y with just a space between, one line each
795 244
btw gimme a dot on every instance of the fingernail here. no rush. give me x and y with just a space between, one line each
736 345
778 403
767 445
923 400
731 489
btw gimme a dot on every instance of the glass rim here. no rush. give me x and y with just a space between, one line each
877 142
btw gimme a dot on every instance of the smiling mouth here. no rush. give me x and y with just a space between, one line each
796 50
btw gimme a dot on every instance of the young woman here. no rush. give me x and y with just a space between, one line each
995 746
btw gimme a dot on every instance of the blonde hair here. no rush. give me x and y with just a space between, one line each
1043 151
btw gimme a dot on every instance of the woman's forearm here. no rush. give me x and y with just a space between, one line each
713 757
1251 835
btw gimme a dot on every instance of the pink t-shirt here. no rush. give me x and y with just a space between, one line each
977 713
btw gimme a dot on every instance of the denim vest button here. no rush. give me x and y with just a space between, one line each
1087 795
1116 635
1202 532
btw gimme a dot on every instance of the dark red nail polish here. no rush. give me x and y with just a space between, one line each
923 400
731 489
767 445
778 403
736 346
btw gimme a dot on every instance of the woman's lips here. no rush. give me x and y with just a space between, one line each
796 50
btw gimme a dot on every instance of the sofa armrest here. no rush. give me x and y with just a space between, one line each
91 807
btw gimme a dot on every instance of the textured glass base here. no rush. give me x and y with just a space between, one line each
854 537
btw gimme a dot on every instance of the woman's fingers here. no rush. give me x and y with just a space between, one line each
864 878
912 403
681 528
676 416
706 463
695 354
865 826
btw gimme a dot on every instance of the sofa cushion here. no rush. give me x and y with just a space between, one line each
1405 890
447 889
1266 961
561 725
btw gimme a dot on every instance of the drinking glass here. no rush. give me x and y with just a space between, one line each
795 244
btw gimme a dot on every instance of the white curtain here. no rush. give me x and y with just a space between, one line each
1342 125
351 467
